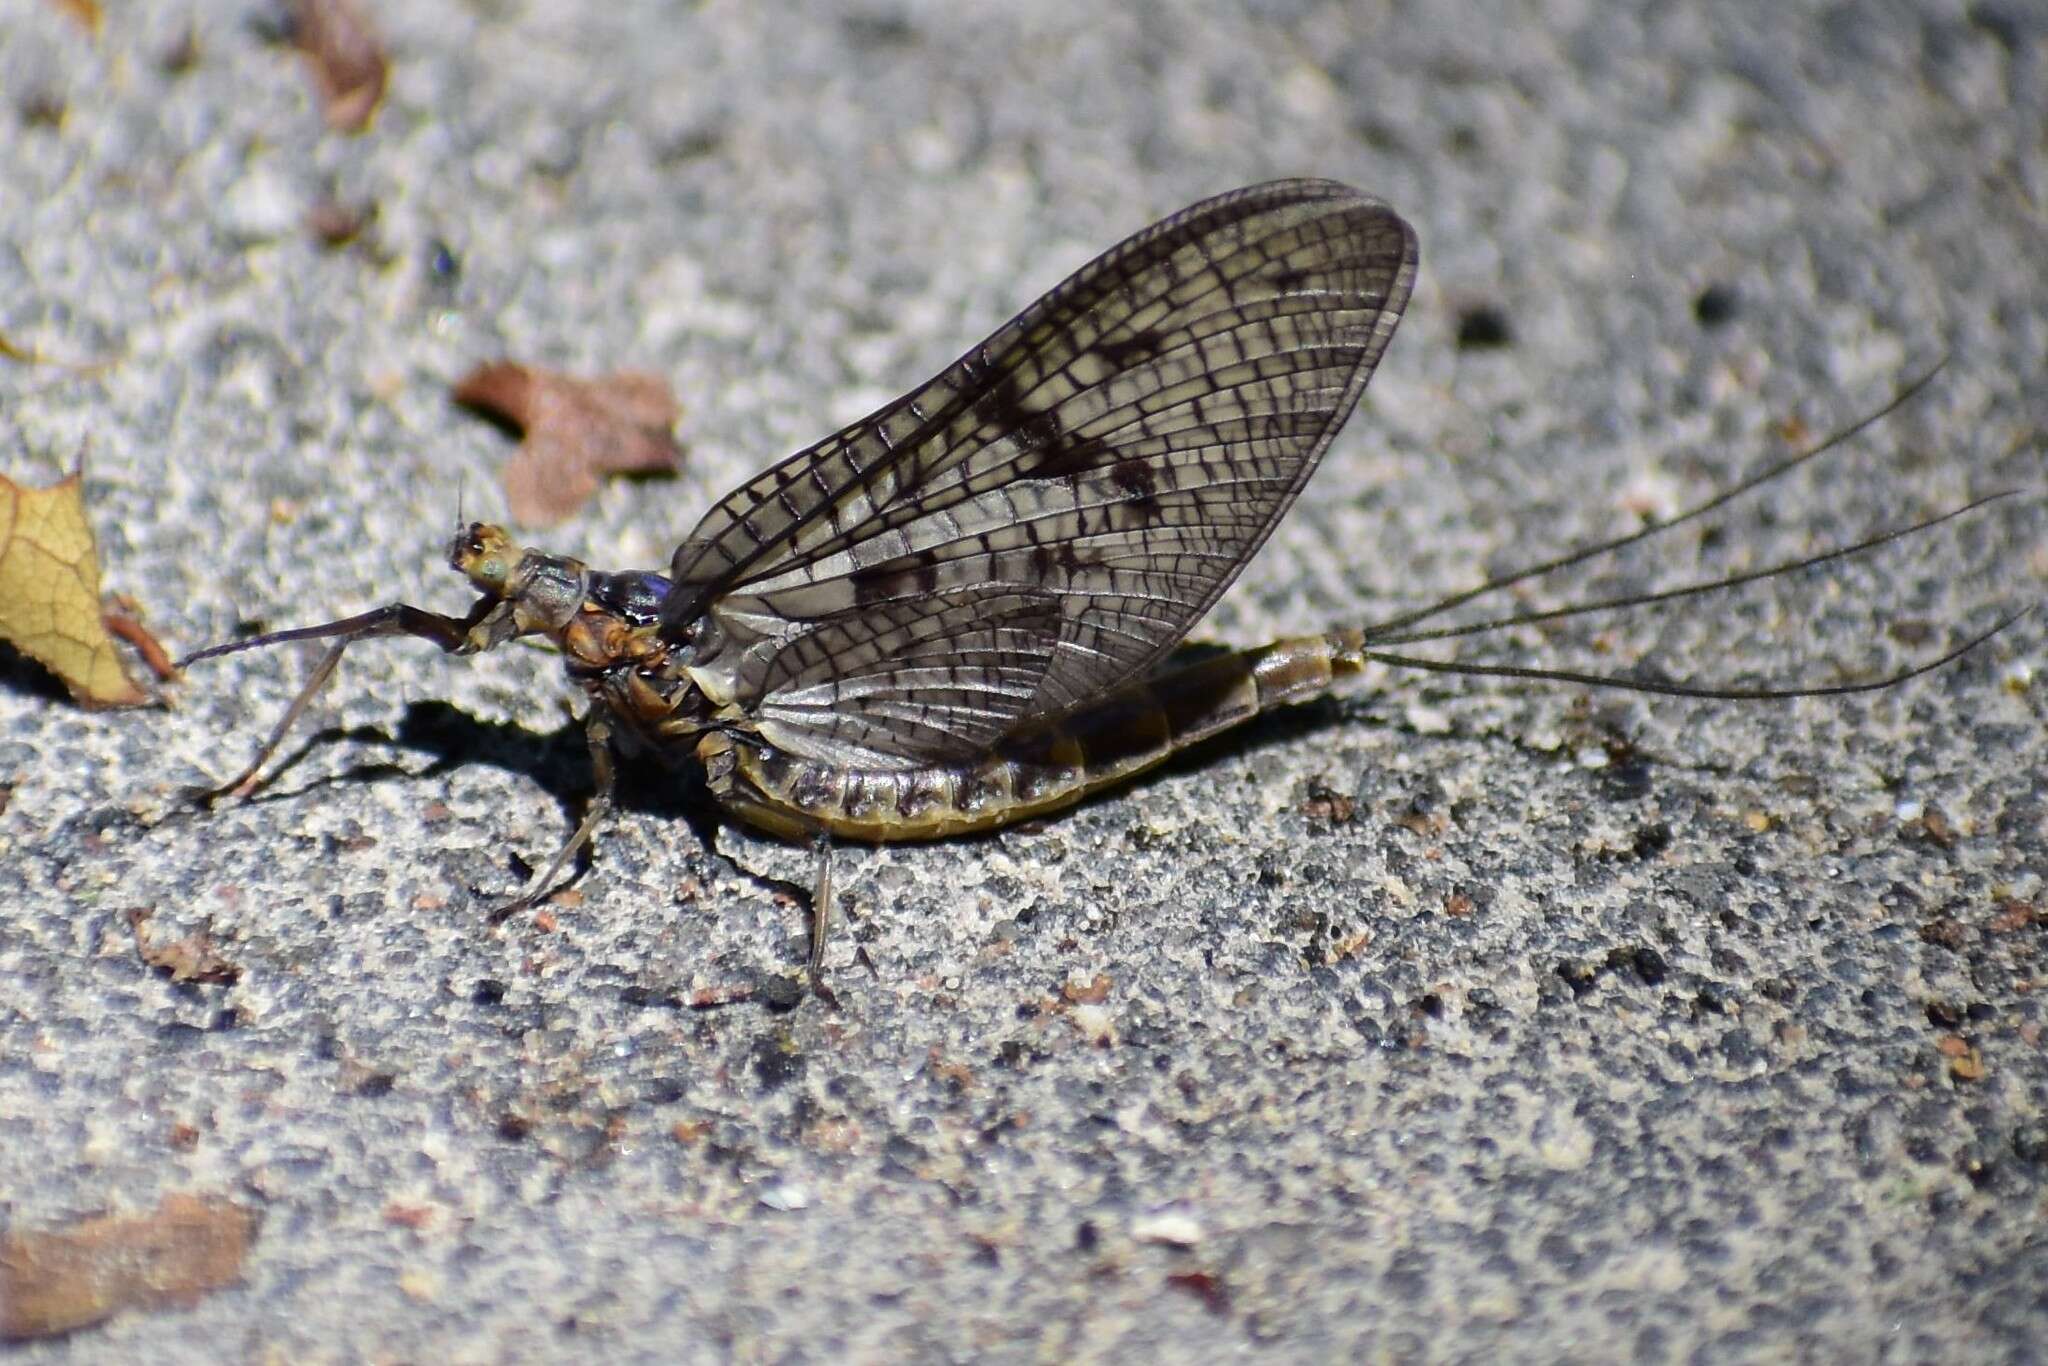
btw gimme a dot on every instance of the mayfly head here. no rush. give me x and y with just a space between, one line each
486 556
533 591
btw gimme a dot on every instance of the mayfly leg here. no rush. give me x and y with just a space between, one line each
821 902
597 731
452 634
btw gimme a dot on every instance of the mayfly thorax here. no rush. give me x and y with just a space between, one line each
957 613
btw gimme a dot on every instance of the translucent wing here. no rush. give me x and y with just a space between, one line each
941 674
1118 451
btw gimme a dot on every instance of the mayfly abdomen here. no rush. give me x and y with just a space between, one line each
795 798
1038 770
1144 724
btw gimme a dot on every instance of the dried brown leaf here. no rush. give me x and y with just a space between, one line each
86 12
43 110
191 959
122 616
575 432
1205 1286
2013 914
50 593
64 1279
346 58
183 54
1793 431
414 1217
1088 993
337 224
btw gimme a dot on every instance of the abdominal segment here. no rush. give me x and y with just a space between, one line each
1034 771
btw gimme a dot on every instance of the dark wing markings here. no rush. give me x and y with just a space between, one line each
1112 457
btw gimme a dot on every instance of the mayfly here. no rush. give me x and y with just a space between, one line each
957 613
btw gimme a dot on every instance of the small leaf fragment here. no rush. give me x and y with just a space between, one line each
86 12
1088 993
15 351
336 224
183 53
193 958
346 58
122 616
50 593
575 432
61 1280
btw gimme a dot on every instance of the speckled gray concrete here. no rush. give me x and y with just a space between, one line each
1602 1028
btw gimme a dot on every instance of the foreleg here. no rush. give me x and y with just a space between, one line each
456 635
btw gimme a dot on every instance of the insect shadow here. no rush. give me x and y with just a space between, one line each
554 761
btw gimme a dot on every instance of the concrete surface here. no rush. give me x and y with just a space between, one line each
1601 1027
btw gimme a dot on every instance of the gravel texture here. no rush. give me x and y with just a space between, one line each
1445 1021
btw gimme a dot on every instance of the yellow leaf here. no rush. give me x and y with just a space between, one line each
50 593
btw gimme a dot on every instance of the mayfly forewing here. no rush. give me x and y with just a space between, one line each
1116 452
